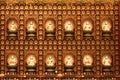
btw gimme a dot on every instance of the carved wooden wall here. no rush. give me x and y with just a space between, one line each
59 46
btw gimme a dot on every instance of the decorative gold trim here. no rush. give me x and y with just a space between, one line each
58 1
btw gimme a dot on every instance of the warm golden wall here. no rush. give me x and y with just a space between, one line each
61 1
59 46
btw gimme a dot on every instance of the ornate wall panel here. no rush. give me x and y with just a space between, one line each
60 40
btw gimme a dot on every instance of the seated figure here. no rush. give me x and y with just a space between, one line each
50 61
88 63
31 60
69 28
12 63
50 29
31 29
87 60
12 29
69 64
87 28
50 64
69 61
106 28
106 61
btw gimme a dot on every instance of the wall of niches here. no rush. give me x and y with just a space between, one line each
78 45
